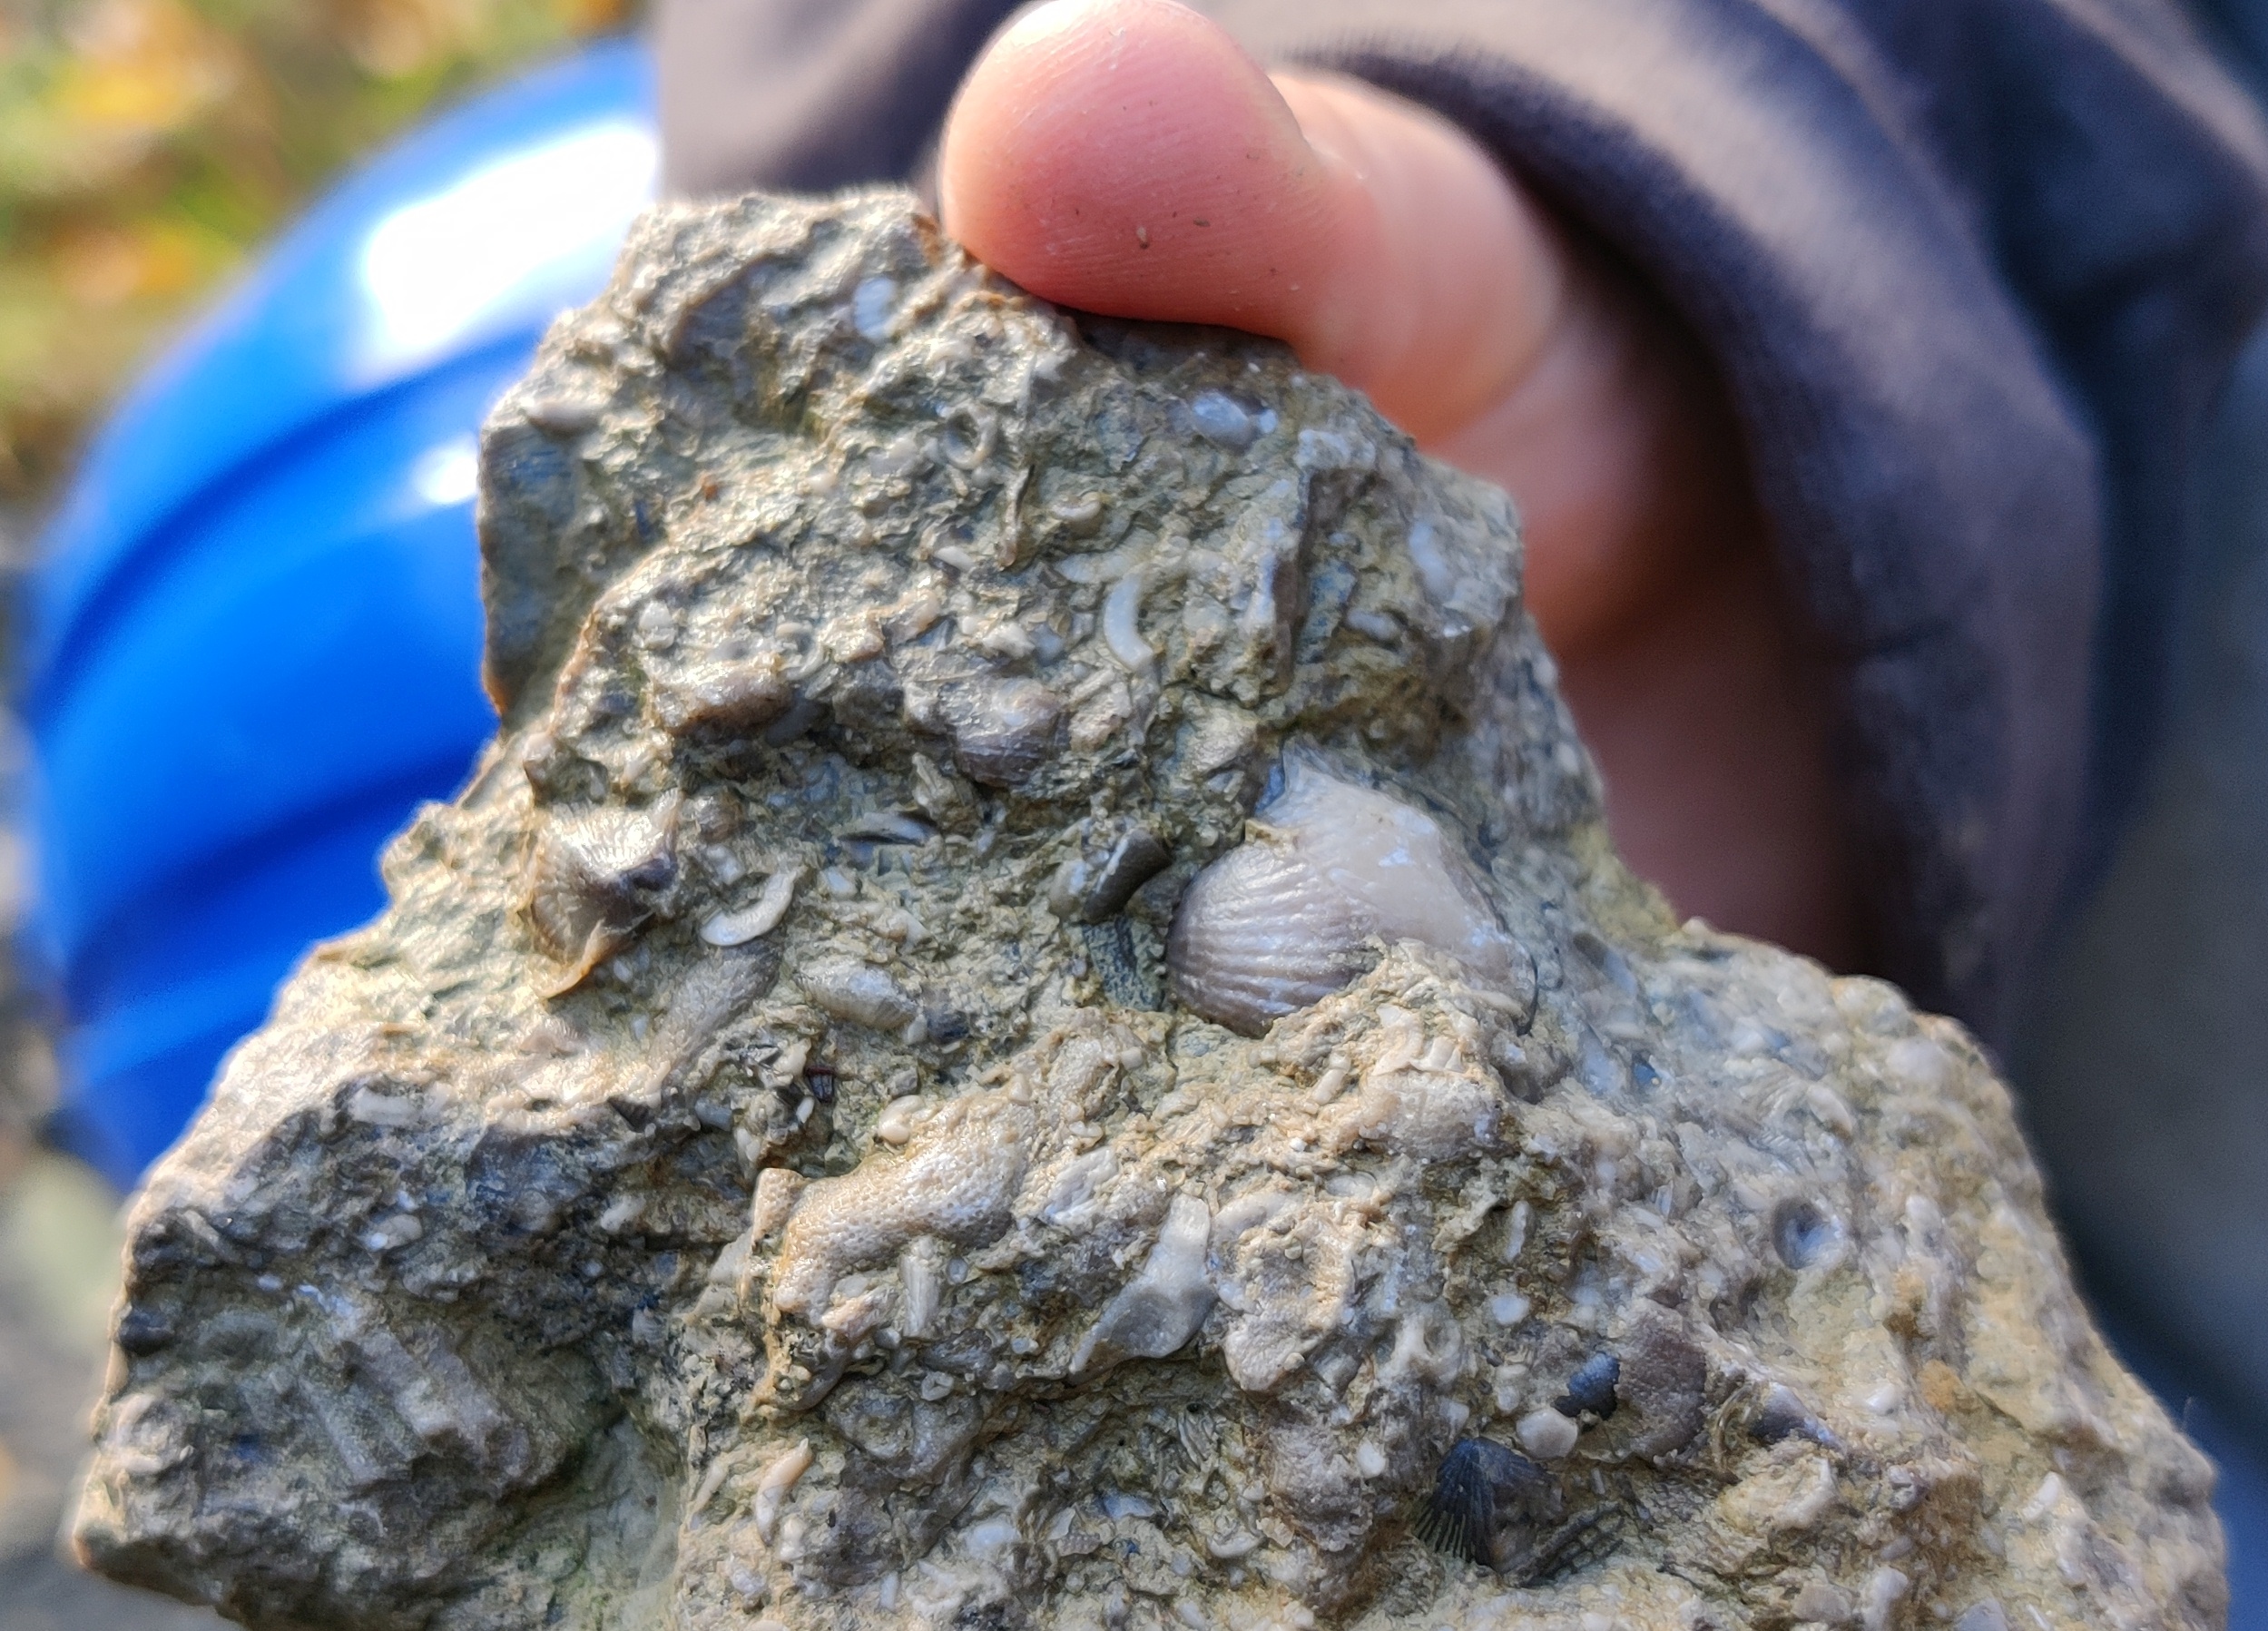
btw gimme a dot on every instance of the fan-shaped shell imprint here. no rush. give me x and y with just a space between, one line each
1284 919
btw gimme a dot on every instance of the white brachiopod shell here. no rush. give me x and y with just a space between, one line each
1280 921
859 994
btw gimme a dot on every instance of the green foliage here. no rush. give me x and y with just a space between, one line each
147 146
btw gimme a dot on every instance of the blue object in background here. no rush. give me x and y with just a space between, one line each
252 640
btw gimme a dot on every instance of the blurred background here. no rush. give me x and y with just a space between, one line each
148 147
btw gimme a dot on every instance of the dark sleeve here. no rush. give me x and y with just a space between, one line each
1973 271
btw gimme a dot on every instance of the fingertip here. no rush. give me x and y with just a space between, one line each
1126 156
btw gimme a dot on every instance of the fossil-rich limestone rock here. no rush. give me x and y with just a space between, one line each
1031 1022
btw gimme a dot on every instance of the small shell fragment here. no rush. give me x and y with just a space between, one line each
1508 1307
723 700
771 1489
1093 889
1160 1307
887 827
872 304
1121 625
1078 515
899 1118
1221 420
1546 1434
562 415
1003 730
759 916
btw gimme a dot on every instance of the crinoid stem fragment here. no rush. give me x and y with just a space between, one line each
1122 624
921 1277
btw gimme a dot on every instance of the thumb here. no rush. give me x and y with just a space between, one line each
1126 156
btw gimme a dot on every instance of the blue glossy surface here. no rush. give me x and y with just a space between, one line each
253 643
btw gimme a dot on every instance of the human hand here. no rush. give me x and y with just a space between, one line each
1126 157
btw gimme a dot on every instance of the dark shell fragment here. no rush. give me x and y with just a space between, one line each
1091 890
1591 1390
1781 1414
946 1026
1003 730
1491 1506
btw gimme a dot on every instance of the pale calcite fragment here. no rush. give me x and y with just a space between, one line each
1160 1307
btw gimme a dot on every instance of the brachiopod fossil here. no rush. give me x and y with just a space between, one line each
755 921
1490 1504
592 878
1282 920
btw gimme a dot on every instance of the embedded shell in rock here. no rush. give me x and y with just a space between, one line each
834 1129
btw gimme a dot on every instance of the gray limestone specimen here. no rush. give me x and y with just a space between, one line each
1031 1022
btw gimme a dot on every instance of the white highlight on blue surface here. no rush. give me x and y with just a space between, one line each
518 239
448 473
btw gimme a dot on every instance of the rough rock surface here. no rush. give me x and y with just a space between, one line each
772 1165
